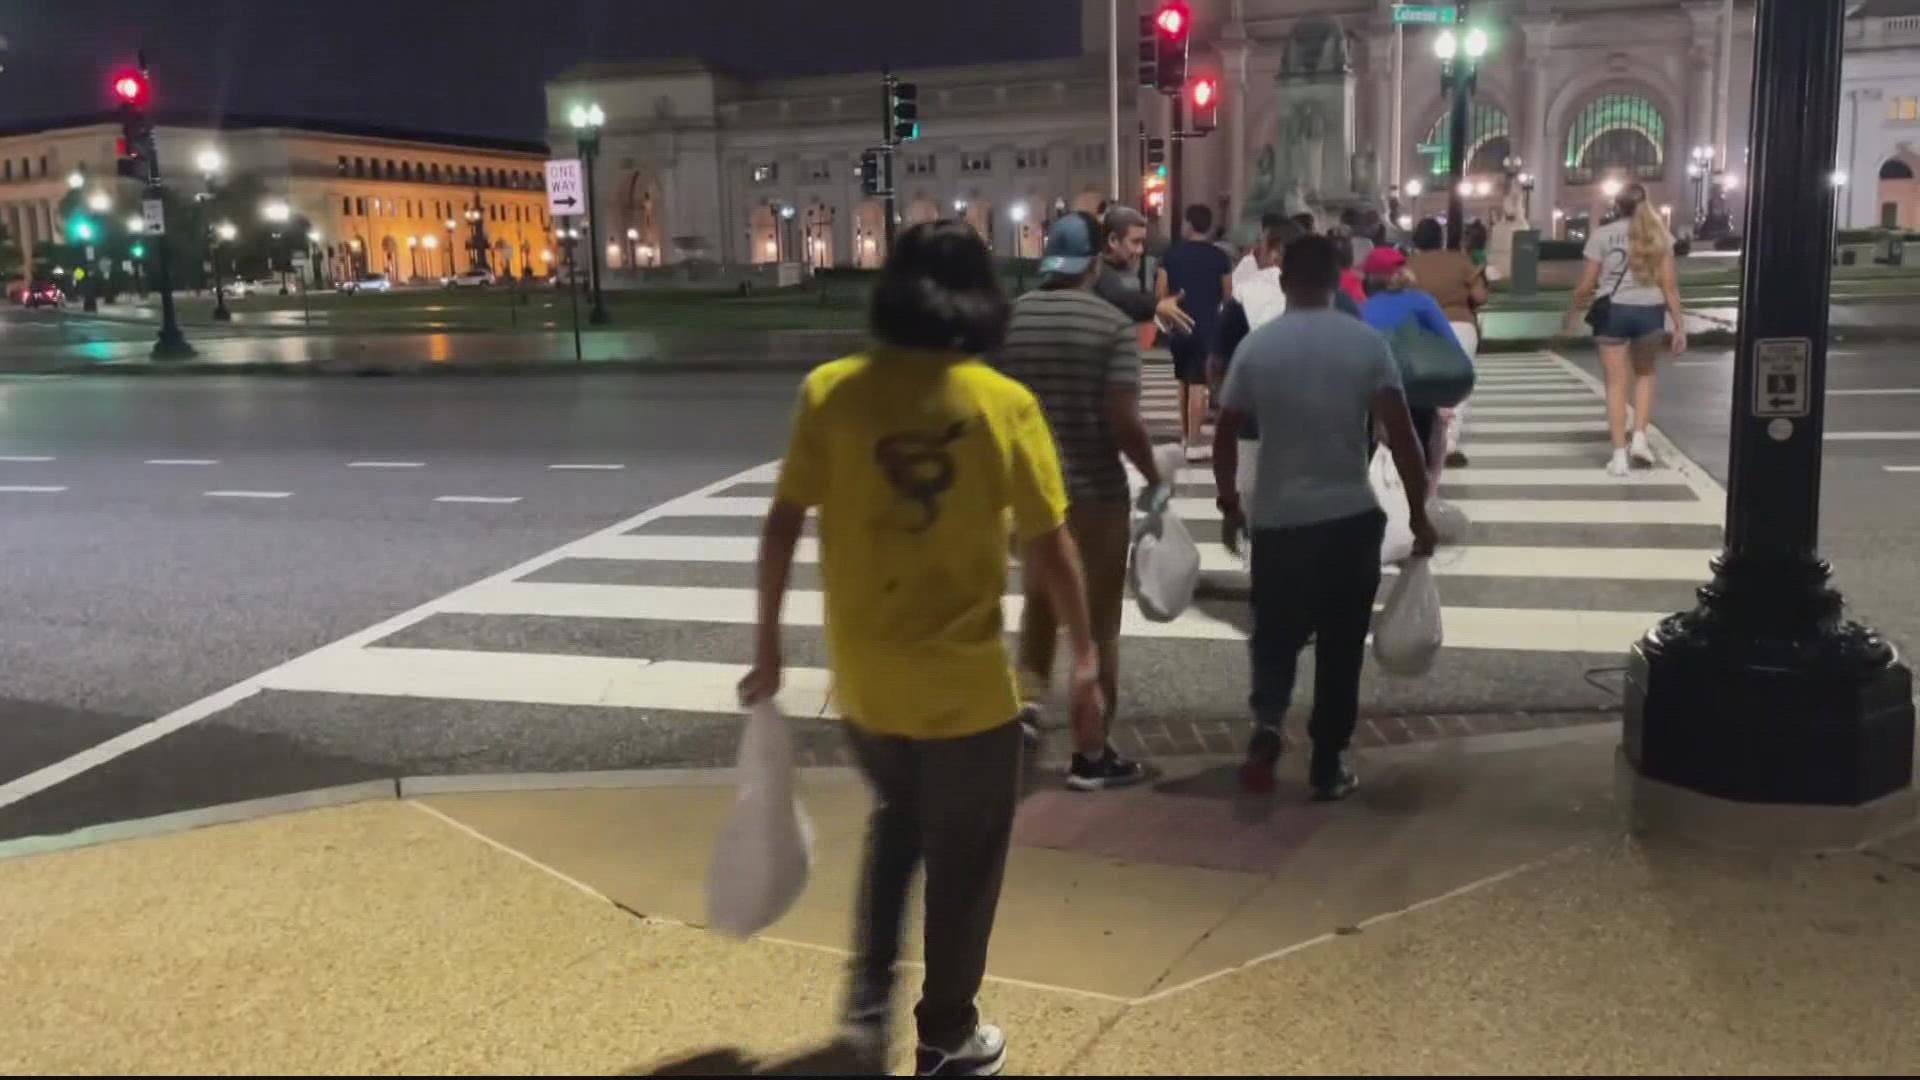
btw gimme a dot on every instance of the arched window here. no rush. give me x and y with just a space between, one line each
1895 169
1488 141
1618 132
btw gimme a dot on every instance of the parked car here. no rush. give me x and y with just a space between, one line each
42 294
368 283
476 278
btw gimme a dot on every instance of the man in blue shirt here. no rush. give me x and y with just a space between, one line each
1200 276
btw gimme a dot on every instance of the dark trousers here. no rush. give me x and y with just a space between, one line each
948 803
1315 581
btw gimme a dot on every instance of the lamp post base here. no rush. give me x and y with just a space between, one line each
172 345
1764 694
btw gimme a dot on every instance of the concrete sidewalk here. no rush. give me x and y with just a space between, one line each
1474 909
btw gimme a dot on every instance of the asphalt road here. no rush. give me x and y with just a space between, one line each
224 588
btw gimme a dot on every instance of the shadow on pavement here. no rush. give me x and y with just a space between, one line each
831 1060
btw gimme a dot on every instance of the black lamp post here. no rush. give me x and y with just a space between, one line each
1765 692
1459 71
587 121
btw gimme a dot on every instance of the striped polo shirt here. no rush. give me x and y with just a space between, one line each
1068 346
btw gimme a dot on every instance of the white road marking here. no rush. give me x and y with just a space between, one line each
126 742
247 494
1530 427
1544 397
492 500
540 679
182 461
586 468
25 459
1891 390
1873 436
1902 468
1696 363
1576 563
1477 409
386 464
1480 474
32 489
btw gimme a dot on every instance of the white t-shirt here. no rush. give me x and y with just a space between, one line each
1608 247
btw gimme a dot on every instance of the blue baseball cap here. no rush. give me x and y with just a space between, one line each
1070 246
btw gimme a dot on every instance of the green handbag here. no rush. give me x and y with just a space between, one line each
1435 371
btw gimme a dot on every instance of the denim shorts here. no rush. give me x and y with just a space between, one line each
1631 322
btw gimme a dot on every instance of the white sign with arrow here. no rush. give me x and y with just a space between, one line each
565 191
1781 373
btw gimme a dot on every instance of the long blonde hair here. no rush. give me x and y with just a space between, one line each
1648 240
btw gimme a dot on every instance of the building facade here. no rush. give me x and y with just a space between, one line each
1573 97
403 204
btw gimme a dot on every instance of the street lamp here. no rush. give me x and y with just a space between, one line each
1610 187
223 233
99 202
209 161
136 224
1459 74
76 179
587 121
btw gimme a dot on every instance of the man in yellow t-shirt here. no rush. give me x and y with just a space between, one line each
918 456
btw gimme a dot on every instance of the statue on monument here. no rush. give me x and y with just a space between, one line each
1306 141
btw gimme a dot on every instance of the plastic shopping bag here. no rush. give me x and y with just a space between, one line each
1397 544
1449 521
1165 566
1407 636
765 850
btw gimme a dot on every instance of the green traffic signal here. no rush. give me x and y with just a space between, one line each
83 229
139 251
1160 171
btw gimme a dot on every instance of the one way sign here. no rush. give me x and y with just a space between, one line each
565 194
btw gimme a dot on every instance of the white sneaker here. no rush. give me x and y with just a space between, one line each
1639 451
983 1054
1617 465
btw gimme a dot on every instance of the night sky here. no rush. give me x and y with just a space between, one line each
470 66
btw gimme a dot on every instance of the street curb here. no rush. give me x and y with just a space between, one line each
297 370
404 789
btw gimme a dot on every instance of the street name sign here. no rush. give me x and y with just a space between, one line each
1425 14
566 192
1780 373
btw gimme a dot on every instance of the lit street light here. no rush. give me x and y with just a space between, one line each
208 161
1458 76
226 230
76 179
587 120
99 202
277 213
1611 187
136 224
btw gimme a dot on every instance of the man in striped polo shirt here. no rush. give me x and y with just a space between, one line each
1079 356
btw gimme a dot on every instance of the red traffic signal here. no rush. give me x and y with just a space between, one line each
131 88
1204 96
1172 20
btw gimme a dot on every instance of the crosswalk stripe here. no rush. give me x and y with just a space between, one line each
540 679
1483 475
1521 629
1544 397
1478 410
1560 511
1538 427
1580 563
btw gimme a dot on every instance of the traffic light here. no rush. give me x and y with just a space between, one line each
1172 26
1155 188
1149 52
138 250
133 91
81 230
903 105
1204 99
1156 153
870 176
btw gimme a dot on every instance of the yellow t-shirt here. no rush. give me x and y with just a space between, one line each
915 462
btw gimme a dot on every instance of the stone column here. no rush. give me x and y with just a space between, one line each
1700 57
1536 144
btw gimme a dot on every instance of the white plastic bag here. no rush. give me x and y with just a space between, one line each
1407 635
765 851
1397 544
1165 566
1449 521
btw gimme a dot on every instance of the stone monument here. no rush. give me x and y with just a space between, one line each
1308 163
1512 218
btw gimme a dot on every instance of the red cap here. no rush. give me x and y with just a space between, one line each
1383 260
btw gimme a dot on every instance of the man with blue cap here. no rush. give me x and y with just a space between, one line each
1081 358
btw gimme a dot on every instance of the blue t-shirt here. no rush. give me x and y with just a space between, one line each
1309 378
1385 311
1197 269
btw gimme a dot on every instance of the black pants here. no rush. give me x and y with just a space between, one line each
949 803
1315 580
